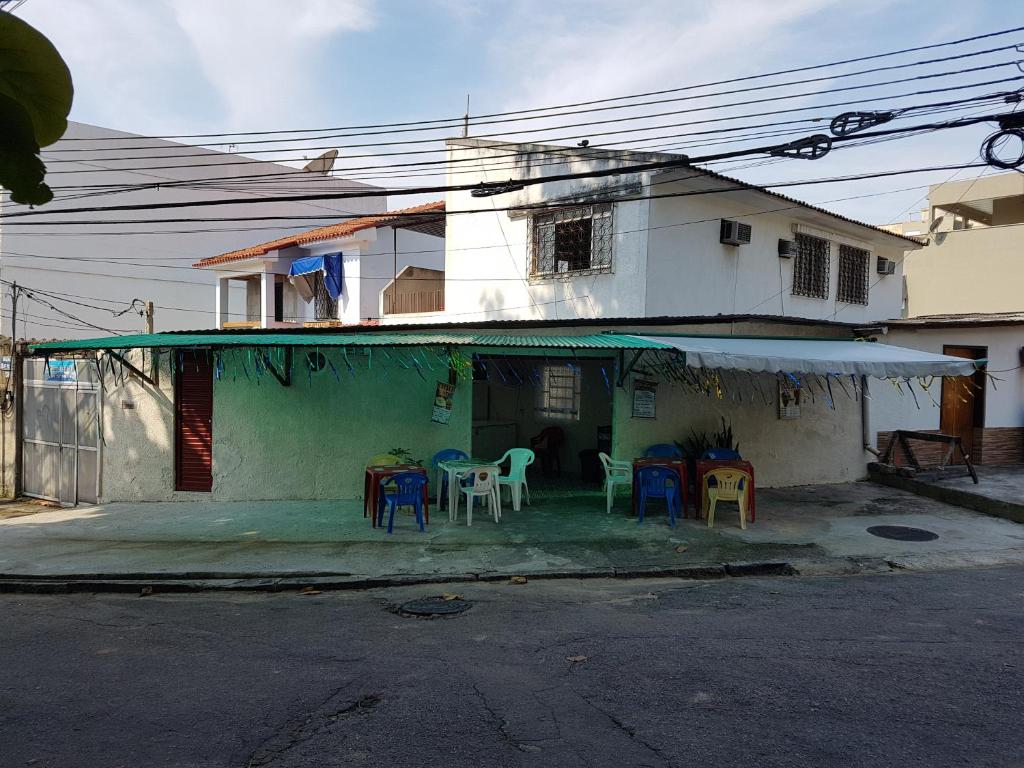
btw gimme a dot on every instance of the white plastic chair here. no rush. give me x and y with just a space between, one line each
615 473
519 459
484 485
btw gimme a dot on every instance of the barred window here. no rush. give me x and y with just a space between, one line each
324 307
811 267
558 397
572 240
853 275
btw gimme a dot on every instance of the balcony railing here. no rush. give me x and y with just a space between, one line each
409 303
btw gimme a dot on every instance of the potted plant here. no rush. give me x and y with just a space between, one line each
404 456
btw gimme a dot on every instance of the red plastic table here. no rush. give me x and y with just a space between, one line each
706 465
679 465
371 487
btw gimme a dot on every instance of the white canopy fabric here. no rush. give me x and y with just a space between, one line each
821 356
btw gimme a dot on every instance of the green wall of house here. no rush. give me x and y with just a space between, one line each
312 440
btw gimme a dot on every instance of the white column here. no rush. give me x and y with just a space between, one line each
266 299
223 291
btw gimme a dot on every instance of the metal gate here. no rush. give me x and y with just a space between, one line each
60 454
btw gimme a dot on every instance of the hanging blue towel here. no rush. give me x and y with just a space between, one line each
329 265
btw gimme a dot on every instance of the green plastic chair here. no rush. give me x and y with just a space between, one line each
519 459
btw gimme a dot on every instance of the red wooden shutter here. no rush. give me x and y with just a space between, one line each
193 423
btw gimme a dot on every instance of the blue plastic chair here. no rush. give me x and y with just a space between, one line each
663 451
721 454
406 489
658 482
448 454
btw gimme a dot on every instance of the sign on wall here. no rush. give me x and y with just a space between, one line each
789 399
644 399
443 403
61 371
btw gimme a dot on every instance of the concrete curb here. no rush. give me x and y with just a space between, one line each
183 583
180 583
956 496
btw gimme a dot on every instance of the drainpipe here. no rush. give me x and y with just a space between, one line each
865 418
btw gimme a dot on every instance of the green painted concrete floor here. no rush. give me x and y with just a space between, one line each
564 530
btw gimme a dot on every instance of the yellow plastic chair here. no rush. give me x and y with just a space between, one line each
383 460
731 485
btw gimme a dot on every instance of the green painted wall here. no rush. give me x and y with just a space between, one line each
311 440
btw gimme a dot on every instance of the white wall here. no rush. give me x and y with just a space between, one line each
112 264
691 273
487 254
1004 399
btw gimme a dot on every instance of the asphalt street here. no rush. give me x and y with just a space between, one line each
895 670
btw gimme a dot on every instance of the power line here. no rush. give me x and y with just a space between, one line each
57 294
457 121
681 162
562 154
635 129
745 103
562 204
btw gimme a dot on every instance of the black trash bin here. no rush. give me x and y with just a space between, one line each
590 466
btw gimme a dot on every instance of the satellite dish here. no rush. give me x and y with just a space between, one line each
322 164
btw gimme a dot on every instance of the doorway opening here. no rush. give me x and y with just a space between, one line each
559 408
962 409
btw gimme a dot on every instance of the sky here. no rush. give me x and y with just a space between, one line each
162 67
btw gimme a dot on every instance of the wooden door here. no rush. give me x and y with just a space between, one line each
963 399
193 409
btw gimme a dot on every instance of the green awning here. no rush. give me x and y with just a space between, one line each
596 341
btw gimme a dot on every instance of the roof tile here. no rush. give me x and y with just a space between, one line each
329 232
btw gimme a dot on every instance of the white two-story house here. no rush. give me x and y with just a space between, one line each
662 243
355 271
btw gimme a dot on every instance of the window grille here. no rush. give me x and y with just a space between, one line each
559 395
853 275
811 267
324 307
572 240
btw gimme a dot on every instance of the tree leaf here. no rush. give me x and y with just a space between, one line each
21 170
33 74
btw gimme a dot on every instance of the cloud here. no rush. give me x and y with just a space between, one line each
260 55
607 48
191 65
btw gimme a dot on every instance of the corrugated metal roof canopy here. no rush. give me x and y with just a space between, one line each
809 355
745 353
384 339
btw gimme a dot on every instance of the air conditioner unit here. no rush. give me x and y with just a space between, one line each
787 249
734 233
886 266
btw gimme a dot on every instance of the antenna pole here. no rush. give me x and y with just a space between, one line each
465 120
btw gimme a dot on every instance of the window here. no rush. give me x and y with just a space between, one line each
572 240
811 267
324 306
853 275
558 397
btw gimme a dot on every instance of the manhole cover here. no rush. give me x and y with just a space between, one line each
902 533
434 606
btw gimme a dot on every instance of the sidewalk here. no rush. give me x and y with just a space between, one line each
813 528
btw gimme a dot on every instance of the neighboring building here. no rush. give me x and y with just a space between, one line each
971 262
986 412
965 297
355 271
651 244
93 271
